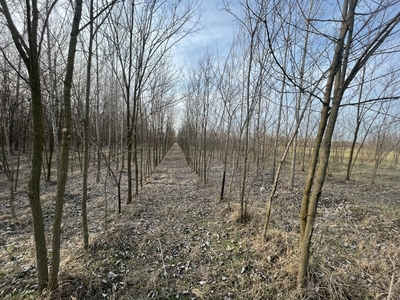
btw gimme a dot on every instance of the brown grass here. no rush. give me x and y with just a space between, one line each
178 241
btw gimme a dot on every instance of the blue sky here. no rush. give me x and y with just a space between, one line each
215 34
216 30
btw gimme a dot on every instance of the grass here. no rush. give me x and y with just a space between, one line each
179 242
356 235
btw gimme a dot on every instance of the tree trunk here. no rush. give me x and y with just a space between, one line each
31 60
98 137
246 125
225 160
324 137
86 134
298 102
54 109
356 130
34 181
66 139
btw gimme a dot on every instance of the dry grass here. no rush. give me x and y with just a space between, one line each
178 242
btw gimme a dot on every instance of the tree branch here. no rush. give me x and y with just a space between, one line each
46 23
13 67
381 99
372 47
109 6
19 42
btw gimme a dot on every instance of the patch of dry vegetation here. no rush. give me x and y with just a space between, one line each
177 242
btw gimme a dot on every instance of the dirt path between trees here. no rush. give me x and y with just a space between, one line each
163 248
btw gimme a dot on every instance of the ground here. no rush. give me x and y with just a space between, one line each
178 241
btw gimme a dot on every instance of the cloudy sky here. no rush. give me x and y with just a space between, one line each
216 30
215 34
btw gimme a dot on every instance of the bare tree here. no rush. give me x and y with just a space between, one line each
251 29
301 85
142 35
228 89
383 138
341 74
368 110
29 52
6 158
66 138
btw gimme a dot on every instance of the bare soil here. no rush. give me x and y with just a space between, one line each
177 241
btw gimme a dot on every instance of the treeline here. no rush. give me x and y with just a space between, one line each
303 82
86 82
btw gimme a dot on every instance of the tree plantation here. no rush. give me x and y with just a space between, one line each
264 167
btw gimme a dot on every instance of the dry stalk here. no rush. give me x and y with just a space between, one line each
3 243
162 259
392 280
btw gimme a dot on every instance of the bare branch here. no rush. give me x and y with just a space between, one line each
372 48
46 22
17 38
380 99
13 67
108 7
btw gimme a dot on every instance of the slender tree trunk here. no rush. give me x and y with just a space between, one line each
66 139
7 163
136 161
130 114
246 130
352 148
5 143
142 162
356 130
278 126
86 134
298 102
31 60
20 134
98 137
129 158
278 171
34 181
303 160
135 146
54 106
225 160
106 202
324 137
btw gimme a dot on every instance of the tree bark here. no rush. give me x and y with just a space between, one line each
29 54
86 133
324 137
66 139
299 95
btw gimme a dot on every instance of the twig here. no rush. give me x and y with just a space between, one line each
14 259
391 281
162 259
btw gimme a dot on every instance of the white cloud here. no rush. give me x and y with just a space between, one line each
216 30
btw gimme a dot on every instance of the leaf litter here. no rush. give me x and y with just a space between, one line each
176 241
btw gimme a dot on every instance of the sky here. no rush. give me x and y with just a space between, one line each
215 34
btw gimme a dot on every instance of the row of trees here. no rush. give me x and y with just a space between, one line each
295 71
92 80
97 78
